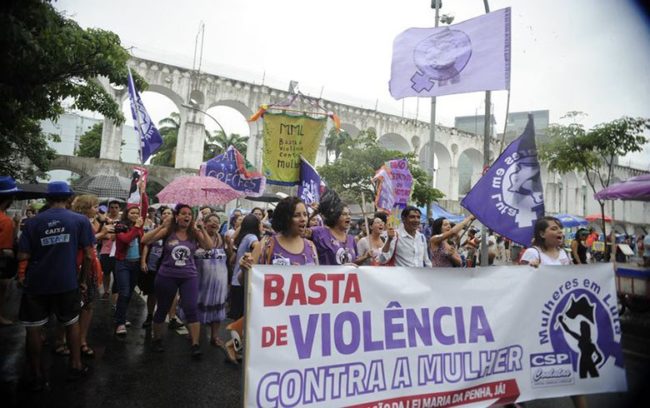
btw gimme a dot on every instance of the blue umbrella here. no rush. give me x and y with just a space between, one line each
437 212
570 221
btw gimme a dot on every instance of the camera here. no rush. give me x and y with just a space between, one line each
119 227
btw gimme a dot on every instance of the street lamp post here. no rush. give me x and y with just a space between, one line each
206 114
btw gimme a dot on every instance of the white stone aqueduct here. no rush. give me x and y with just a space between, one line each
184 87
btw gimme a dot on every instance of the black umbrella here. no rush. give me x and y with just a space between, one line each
103 186
265 198
31 191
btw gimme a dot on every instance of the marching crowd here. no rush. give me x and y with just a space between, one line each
191 266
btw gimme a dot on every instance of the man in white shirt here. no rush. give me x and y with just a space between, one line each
407 244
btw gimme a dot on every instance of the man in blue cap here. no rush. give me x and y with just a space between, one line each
8 266
49 243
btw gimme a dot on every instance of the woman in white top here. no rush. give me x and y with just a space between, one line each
370 246
548 249
548 245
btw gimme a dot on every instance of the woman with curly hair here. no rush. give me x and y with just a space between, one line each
333 243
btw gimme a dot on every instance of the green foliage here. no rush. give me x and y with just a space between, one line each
49 59
335 142
90 143
168 127
359 158
593 152
219 143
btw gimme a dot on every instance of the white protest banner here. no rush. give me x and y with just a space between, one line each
418 337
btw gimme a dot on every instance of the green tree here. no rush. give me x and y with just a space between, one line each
48 59
594 152
219 143
335 142
90 143
168 127
351 174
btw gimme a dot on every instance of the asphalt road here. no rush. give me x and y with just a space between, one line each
127 373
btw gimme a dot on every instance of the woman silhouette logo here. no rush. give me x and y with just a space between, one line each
588 350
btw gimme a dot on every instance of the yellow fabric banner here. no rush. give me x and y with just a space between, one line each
286 138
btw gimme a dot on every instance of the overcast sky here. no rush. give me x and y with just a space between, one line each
578 55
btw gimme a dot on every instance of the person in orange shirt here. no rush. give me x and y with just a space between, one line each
7 240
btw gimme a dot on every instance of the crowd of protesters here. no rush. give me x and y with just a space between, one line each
191 266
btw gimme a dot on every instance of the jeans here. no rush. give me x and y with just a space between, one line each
126 277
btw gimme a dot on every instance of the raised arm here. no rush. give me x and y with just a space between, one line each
437 239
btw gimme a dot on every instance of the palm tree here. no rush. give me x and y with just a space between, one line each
335 142
219 143
168 127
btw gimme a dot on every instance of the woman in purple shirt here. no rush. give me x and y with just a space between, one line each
181 237
287 247
334 245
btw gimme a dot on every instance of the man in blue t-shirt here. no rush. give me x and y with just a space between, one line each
50 242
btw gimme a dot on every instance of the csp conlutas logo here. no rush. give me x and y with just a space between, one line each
580 331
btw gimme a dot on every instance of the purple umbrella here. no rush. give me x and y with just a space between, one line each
635 188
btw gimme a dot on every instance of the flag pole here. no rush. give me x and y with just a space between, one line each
486 156
137 116
435 4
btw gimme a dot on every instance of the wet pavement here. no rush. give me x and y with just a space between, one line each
127 373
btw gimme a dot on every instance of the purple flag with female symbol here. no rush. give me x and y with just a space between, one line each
509 198
309 189
150 139
466 57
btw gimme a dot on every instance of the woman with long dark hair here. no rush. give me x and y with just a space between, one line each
444 254
579 248
548 244
246 241
287 247
181 238
548 249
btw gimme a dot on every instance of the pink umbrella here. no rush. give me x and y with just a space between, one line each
198 190
635 188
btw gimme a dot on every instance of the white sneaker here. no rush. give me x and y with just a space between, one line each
120 330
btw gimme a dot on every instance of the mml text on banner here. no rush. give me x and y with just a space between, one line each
341 336
286 138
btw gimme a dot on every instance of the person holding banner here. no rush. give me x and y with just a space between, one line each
548 249
548 244
373 243
287 247
406 246
181 238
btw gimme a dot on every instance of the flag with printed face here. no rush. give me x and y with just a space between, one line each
466 57
309 189
150 139
233 169
385 198
508 198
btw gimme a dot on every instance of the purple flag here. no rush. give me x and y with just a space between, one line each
150 139
233 169
310 185
466 57
508 198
